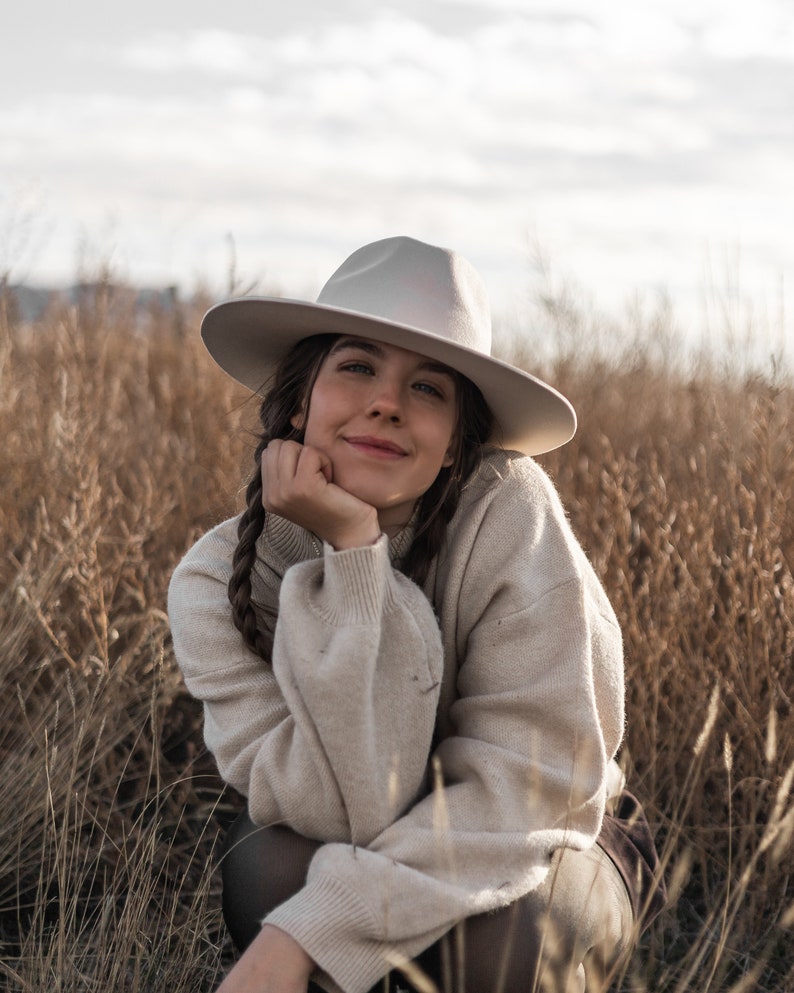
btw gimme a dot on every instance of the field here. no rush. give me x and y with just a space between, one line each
122 443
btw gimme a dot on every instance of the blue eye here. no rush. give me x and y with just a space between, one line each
356 367
429 389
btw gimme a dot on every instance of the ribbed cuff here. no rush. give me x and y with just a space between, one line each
336 929
357 584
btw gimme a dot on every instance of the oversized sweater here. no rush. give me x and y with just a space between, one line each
442 742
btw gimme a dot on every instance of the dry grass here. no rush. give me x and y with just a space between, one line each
118 453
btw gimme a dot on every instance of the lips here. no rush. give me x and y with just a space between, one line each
376 445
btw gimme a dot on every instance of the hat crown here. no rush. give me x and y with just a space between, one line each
407 282
405 293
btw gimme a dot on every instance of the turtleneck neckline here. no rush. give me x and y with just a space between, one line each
292 543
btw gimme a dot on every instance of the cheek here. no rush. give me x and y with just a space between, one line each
322 410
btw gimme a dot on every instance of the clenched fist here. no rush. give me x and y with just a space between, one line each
297 484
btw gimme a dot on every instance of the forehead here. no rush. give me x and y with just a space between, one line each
383 351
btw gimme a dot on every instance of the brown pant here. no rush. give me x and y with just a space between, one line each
567 936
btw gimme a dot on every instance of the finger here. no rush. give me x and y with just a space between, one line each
292 475
278 470
268 466
326 467
279 459
314 461
288 455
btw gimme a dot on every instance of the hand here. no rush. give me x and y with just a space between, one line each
273 963
297 483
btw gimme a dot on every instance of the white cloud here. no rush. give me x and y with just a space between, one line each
627 133
215 51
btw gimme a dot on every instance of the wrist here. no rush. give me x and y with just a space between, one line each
355 534
357 539
273 961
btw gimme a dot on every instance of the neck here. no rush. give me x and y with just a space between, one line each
391 528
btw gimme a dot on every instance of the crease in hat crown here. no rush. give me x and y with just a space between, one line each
407 282
402 292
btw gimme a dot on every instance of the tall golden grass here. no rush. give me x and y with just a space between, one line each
122 443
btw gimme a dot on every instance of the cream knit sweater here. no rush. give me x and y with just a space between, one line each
441 742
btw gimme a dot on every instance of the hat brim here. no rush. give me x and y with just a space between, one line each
248 337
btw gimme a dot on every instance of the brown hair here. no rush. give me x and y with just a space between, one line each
292 382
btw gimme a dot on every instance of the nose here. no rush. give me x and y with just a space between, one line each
386 402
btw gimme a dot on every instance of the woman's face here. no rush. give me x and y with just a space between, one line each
386 419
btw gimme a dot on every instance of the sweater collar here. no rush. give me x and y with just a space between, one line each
292 543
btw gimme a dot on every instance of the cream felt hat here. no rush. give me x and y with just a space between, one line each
406 293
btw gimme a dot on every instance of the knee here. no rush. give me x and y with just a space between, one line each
261 867
241 850
579 920
529 946
586 906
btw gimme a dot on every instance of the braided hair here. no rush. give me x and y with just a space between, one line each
292 383
293 380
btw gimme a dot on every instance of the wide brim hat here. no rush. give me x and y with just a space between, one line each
402 292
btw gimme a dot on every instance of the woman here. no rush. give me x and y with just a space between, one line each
408 666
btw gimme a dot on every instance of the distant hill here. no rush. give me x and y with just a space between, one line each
31 302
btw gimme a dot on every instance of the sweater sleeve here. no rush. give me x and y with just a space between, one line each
538 715
330 737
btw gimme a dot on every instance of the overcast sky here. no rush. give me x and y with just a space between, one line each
638 146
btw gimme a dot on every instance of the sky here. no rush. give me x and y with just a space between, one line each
633 150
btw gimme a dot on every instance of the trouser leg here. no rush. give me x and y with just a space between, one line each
567 936
261 868
564 937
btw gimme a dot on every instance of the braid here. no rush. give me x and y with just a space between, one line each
251 526
292 383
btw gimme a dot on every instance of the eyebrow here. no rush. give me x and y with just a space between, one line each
365 345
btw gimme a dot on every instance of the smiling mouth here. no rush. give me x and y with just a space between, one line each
376 446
